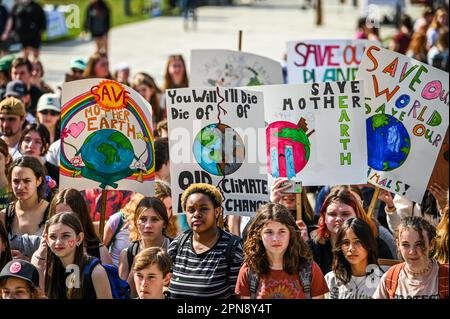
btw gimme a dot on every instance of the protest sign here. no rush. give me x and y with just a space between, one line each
213 139
407 117
228 68
106 137
324 60
316 132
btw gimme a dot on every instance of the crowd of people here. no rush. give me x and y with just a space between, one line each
332 248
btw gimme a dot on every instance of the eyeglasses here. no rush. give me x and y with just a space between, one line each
78 71
51 112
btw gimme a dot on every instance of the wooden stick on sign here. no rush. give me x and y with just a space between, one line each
373 202
240 41
319 12
103 213
298 205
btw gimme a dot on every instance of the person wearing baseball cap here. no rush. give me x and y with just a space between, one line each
18 89
19 279
77 67
48 114
12 118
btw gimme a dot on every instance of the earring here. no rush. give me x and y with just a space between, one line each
79 243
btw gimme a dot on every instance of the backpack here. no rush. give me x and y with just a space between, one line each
394 272
118 229
132 251
120 289
304 275
229 252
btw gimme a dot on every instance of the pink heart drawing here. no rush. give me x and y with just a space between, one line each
76 128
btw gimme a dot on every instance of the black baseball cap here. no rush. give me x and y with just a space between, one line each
21 269
16 88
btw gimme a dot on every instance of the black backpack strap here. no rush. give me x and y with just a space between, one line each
118 229
305 275
233 242
44 218
183 240
132 252
254 282
9 217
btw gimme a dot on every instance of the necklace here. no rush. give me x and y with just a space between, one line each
420 272
358 285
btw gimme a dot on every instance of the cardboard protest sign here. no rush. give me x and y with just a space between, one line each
228 68
324 60
106 137
407 117
213 139
316 132
441 168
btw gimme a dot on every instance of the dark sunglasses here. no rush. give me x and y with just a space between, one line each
51 112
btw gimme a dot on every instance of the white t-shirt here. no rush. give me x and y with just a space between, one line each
357 288
53 153
411 288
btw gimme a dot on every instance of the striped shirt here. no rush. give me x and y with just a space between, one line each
204 275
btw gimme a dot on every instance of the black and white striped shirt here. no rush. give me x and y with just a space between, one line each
204 275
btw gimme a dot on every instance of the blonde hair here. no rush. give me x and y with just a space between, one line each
441 251
209 190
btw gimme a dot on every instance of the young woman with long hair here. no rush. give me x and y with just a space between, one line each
275 256
341 204
355 273
24 218
65 275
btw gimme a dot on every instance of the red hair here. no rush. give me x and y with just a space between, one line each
345 195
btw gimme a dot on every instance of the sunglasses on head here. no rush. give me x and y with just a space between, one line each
51 112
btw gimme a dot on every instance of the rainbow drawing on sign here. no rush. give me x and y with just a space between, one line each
109 143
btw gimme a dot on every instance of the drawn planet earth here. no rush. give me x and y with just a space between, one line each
219 149
388 142
288 149
107 151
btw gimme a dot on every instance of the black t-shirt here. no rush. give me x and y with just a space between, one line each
29 19
88 285
35 94
4 15
53 171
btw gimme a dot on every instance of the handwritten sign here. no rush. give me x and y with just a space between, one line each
316 132
407 117
228 68
106 138
213 139
324 60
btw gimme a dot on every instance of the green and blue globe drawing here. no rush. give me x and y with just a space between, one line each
107 151
388 142
218 149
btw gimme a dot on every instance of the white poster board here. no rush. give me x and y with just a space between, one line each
228 68
316 132
407 117
106 137
213 139
324 60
